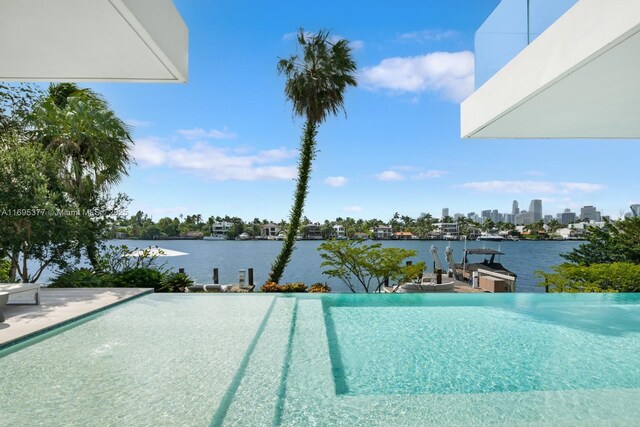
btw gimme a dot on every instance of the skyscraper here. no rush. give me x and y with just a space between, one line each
636 210
588 213
536 210
445 212
515 210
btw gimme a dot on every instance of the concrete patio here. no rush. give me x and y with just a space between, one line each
58 306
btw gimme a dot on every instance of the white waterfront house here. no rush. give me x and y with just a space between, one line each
556 69
220 229
270 230
339 232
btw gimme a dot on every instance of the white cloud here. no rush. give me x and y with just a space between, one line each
446 73
148 152
336 181
138 123
353 209
215 163
390 176
534 173
424 36
430 174
354 44
538 187
199 133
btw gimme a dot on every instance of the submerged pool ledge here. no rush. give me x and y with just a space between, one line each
59 308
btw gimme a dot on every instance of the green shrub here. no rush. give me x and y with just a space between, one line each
139 278
319 288
271 287
614 277
175 282
81 278
5 270
296 287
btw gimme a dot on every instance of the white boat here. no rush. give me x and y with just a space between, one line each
490 237
280 236
214 238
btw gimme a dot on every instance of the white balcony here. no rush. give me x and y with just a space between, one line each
578 79
92 40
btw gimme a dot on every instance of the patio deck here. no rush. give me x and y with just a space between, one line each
58 306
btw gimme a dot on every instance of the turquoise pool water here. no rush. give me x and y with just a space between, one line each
371 360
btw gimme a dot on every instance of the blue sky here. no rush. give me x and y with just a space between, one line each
225 143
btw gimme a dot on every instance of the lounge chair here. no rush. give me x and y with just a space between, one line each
19 288
4 297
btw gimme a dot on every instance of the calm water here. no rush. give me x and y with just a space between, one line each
335 360
523 257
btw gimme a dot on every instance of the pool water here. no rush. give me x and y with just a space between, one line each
337 359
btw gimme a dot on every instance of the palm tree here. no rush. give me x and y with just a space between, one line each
93 146
316 83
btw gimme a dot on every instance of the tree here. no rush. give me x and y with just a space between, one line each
553 226
608 262
614 277
37 222
92 144
367 266
615 242
316 83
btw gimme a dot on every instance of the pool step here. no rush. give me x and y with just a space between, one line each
257 395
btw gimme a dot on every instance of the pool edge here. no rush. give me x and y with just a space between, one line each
16 342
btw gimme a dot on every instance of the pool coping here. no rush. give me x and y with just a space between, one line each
16 342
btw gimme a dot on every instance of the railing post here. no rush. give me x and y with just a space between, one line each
215 276
251 277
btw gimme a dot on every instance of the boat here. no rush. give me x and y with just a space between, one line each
280 236
489 266
490 237
218 237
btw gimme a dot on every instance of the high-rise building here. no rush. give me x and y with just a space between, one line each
445 212
535 207
485 214
635 209
515 210
588 213
567 217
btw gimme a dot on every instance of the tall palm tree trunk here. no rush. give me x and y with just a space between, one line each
307 153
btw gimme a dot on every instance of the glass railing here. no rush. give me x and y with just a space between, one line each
510 28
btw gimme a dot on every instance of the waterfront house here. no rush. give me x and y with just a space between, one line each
270 230
312 232
338 232
361 236
382 231
121 235
404 235
446 231
220 229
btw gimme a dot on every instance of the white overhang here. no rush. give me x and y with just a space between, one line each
578 79
92 40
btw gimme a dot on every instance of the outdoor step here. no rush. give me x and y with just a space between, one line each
255 398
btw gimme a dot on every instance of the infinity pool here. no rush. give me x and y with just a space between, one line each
371 360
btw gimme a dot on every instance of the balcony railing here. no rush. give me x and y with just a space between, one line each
509 29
